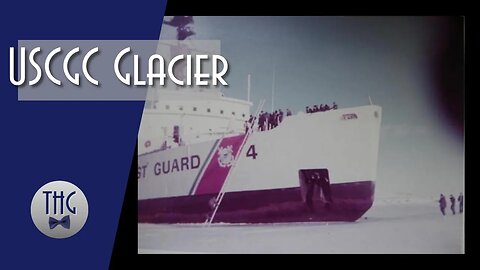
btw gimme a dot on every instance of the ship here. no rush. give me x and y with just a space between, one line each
204 159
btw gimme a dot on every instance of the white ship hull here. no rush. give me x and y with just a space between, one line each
342 143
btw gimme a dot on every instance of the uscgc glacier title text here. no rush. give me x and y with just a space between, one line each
159 71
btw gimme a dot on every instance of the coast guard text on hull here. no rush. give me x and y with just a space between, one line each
171 166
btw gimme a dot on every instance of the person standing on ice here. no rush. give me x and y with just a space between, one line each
452 201
443 204
460 203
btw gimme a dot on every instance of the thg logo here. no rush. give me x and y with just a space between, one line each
59 209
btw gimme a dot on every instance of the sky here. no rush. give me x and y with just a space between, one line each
347 60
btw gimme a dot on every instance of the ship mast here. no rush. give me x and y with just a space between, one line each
273 89
248 88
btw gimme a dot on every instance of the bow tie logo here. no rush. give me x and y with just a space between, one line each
64 222
61 205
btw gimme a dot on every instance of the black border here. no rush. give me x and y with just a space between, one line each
125 248
311 8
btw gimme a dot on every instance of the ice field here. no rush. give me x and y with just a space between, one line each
388 227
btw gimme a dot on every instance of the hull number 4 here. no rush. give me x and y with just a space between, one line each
251 152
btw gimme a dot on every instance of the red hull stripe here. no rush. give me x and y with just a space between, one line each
202 169
220 164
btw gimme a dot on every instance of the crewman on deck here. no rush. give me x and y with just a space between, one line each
271 118
261 121
277 118
250 120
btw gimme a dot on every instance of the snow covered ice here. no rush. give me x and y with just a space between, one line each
388 227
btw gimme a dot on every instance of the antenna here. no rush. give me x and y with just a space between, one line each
248 88
370 99
273 89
